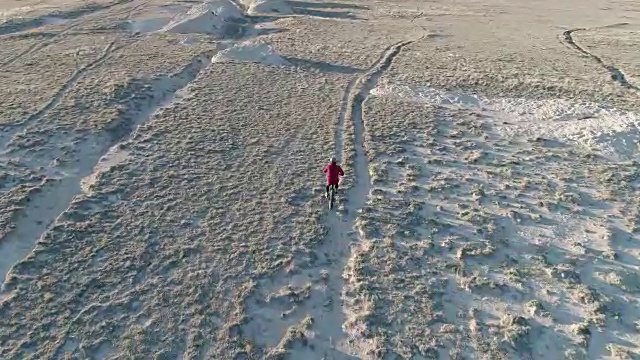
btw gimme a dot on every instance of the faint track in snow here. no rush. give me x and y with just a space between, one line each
56 196
616 74
7 136
11 27
363 87
56 35
343 231
269 320
342 114
38 46
348 91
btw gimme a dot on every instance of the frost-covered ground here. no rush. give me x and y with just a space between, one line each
161 192
509 241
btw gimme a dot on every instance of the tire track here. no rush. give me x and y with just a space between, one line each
7 137
616 74
345 103
363 88
270 321
358 194
12 27
348 92
37 46
53 39
51 203
342 114
341 234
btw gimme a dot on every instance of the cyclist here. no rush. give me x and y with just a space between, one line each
334 171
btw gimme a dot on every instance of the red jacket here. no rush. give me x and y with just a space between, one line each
333 170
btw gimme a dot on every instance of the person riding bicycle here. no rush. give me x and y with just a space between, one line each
334 171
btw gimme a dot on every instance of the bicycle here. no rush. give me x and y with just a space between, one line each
332 194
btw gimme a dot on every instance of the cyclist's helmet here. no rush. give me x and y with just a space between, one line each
333 159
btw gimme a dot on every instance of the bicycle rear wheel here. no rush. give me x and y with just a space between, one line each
332 192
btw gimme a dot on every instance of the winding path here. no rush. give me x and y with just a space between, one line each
329 307
616 74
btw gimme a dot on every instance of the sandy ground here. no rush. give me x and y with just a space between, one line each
161 186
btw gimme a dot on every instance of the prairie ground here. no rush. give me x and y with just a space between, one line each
161 192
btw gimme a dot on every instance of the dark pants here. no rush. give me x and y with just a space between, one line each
327 187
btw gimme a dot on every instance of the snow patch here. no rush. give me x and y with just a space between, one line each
587 124
52 20
148 25
155 18
189 40
214 17
113 157
258 53
269 6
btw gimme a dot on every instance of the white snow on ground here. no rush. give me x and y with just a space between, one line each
47 205
248 52
206 18
463 181
455 235
112 158
586 124
149 25
155 18
269 6
52 20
